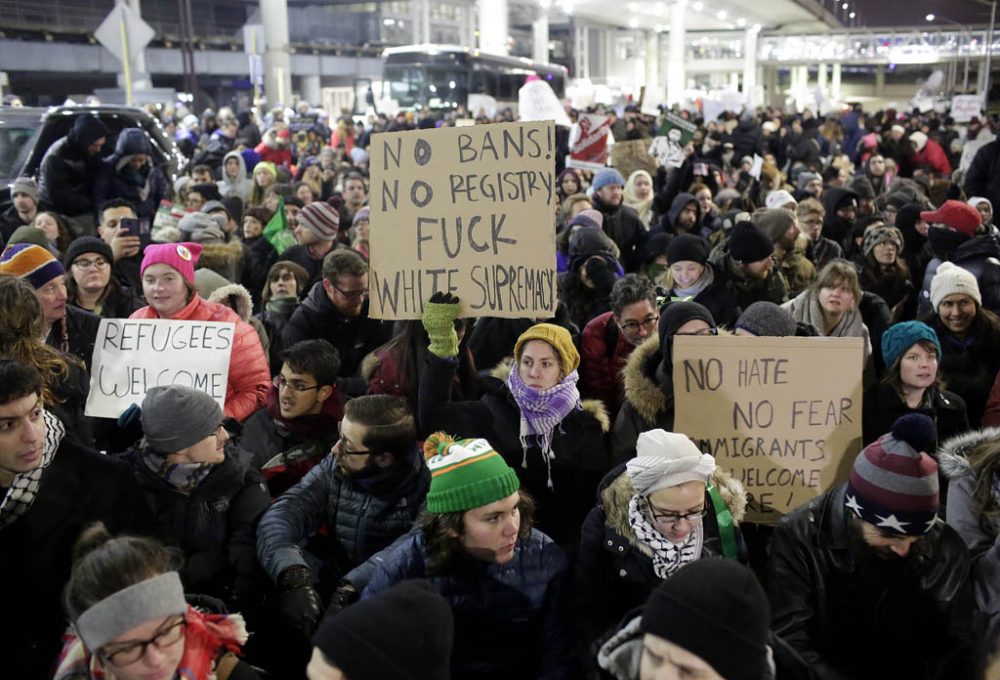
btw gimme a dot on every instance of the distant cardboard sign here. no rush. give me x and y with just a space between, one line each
965 107
132 356
590 151
668 145
783 415
632 155
467 211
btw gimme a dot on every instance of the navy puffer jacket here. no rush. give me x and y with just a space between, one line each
509 618
143 188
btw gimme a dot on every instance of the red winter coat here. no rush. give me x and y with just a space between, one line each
249 376
600 373
277 155
933 157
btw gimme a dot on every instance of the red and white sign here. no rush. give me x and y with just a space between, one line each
590 151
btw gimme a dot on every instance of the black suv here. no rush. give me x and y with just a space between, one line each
27 133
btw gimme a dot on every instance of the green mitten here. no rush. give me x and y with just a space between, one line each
439 322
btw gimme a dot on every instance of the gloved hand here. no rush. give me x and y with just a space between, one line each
439 317
600 275
345 595
300 604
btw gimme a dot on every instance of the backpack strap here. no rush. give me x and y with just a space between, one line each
727 527
610 337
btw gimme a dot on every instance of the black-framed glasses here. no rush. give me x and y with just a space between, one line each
343 444
661 516
703 331
293 385
647 324
353 294
135 650
96 263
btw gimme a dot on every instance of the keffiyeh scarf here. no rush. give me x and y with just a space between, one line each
668 557
182 476
24 490
542 411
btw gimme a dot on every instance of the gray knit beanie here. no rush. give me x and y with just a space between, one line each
766 319
174 417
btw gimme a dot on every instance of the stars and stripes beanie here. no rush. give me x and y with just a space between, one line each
34 264
465 474
321 219
894 484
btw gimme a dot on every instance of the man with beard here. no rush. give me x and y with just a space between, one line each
621 223
781 226
366 493
684 216
866 581
746 266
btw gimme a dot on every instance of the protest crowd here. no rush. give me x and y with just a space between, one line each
474 496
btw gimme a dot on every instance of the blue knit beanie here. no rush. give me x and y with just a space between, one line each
605 177
902 336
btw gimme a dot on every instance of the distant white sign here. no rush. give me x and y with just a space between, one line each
132 356
537 101
965 107
137 32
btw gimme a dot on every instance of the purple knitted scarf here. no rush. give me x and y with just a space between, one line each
542 411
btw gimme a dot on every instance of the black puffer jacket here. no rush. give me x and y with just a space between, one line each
623 226
581 457
354 337
66 178
843 624
214 524
361 518
614 570
882 406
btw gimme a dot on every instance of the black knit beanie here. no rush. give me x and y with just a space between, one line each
748 243
87 244
687 248
404 633
673 315
714 608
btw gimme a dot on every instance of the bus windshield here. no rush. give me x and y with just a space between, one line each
433 86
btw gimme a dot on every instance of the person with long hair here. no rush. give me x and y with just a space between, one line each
884 270
639 195
168 286
57 233
265 175
91 284
477 546
912 384
532 412
831 304
131 621
969 335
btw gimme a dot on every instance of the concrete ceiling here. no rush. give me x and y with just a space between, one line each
700 15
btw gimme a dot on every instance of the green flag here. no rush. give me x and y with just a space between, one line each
276 232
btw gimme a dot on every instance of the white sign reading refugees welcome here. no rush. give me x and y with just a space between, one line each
132 356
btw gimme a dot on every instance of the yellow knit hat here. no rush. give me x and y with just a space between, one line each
558 337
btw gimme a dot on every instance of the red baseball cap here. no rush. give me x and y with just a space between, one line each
956 215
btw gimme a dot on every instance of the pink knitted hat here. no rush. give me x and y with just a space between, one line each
180 256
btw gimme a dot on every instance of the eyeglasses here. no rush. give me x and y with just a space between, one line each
292 386
353 294
343 445
703 331
661 516
133 651
647 324
98 263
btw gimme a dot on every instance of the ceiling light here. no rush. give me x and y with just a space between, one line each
722 14
698 6
930 17
741 22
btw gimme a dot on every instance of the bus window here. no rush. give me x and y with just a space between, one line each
447 86
406 84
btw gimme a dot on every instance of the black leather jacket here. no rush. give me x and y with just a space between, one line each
915 625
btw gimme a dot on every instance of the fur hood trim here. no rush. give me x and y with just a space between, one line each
244 305
593 407
369 365
952 455
616 496
641 391
221 255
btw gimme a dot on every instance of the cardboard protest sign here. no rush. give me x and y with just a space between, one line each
668 146
965 107
783 415
133 355
590 151
632 155
537 101
466 211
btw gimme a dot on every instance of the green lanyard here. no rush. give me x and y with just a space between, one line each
727 528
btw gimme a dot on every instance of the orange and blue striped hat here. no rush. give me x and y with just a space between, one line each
32 263
466 474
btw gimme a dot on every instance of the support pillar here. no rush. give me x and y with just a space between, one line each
676 76
652 71
734 81
803 78
835 84
821 78
277 66
750 67
540 36
581 50
309 90
879 80
420 17
493 26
